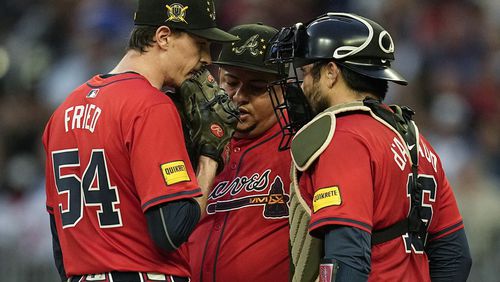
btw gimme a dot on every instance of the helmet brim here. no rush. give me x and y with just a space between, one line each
378 72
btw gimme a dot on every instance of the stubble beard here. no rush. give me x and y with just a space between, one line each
317 101
244 129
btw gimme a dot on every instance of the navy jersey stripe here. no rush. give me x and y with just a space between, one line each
434 235
318 222
111 82
182 193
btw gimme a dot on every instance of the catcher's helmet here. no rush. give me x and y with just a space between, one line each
350 40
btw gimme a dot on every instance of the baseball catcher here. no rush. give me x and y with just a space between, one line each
368 185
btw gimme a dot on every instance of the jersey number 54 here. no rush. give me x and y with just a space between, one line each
91 189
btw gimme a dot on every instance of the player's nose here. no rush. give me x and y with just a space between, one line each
240 97
206 57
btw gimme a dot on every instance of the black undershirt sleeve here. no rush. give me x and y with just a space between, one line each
350 247
56 249
170 224
449 257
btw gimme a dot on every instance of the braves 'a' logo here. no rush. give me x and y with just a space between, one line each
251 45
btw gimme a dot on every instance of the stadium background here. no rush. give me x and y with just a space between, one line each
449 51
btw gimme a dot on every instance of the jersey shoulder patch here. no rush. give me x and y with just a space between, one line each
312 139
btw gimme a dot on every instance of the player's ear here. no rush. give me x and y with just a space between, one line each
162 36
332 72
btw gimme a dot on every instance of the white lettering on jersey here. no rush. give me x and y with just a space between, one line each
77 116
398 150
256 182
400 156
82 117
428 155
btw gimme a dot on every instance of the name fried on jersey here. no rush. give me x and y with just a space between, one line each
81 117
244 192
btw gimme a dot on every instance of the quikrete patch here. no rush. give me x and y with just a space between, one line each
174 172
326 197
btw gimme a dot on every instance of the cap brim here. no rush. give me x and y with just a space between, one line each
379 72
245 66
214 34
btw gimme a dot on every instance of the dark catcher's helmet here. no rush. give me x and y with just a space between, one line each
358 43
352 41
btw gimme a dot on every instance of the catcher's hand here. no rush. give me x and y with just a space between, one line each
210 115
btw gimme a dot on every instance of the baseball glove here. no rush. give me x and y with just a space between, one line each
209 115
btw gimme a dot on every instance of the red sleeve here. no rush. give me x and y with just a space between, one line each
447 218
342 184
159 160
49 205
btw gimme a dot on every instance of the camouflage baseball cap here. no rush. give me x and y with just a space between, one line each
193 16
250 50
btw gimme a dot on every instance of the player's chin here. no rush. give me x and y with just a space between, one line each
246 121
248 132
245 126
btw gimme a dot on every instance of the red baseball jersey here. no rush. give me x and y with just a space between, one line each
115 148
362 180
244 236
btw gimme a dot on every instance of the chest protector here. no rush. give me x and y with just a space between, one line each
306 251
307 146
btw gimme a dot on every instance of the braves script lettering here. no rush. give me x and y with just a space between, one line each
256 182
274 202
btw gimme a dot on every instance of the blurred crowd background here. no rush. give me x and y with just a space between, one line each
448 50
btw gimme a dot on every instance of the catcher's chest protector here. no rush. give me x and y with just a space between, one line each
306 251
